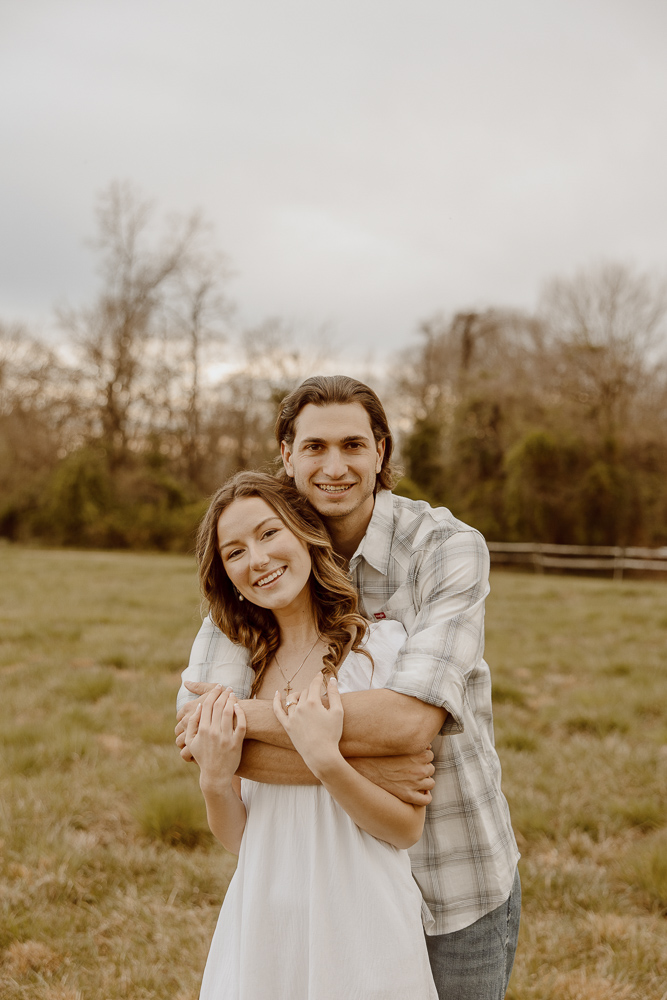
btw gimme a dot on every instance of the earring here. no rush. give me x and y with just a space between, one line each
239 595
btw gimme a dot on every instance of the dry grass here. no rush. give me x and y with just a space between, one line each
109 883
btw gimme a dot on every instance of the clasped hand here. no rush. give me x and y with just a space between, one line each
214 736
314 729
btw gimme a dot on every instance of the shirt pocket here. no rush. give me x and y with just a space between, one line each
398 607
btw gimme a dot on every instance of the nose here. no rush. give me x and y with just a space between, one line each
258 558
334 465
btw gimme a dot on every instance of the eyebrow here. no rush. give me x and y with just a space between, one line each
345 440
235 541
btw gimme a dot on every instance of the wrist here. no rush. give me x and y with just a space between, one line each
215 785
326 766
260 718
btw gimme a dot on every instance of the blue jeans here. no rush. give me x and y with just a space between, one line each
475 963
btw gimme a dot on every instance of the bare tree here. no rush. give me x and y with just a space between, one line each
201 314
607 334
144 275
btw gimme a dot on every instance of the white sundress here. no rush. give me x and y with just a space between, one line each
318 909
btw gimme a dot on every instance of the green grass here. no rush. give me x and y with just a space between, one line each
110 884
581 729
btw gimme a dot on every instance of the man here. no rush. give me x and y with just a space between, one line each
423 567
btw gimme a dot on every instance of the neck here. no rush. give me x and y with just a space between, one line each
297 627
347 531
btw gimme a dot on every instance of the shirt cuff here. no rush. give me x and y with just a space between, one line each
447 694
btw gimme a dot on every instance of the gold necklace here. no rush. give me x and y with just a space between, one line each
288 680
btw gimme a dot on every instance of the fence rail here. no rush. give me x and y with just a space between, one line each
610 558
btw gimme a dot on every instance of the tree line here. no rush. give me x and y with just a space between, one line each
544 427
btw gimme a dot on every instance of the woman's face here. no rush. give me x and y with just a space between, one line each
263 559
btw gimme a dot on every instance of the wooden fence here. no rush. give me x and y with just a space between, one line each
610 558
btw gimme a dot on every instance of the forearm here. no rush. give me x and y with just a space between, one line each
383 723
225 812
375 810
378 723
274 765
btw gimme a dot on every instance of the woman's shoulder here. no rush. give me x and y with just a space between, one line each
383 641
384 637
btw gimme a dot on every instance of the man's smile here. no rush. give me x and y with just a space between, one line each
331 488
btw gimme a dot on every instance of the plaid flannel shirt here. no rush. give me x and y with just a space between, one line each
421 566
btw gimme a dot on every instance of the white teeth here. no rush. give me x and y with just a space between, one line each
270 578
333 489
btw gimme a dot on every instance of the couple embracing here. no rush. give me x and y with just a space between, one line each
342 653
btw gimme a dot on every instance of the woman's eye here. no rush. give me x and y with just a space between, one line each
233 553
269 532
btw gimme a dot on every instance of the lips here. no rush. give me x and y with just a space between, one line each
264 581
334 490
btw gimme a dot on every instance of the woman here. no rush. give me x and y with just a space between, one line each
322 904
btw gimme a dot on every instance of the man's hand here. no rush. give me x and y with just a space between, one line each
407 776
182 718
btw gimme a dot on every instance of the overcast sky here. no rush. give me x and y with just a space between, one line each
366 163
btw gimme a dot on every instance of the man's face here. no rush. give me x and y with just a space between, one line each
334 458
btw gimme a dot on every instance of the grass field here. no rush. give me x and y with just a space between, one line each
109 881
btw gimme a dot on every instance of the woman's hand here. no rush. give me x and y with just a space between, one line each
214 736
314 730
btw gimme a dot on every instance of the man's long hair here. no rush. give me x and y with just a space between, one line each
333 598
323 390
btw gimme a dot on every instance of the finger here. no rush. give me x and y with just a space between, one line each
209 702
200 687
187 756
279 711
180 741
184 712
193 724
334 694
314 690
180 727
226 716
417 798
218 706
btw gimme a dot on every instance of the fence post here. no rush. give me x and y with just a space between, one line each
619 563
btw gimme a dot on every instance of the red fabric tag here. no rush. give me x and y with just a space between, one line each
380 614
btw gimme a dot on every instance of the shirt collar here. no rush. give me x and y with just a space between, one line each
375 546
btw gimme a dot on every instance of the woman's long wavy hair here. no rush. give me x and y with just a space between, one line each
334 599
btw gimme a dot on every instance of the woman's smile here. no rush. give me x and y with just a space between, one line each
264 581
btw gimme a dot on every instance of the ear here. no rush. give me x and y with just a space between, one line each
286 456
380 455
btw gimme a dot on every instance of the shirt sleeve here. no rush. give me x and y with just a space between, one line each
215 659
445 644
